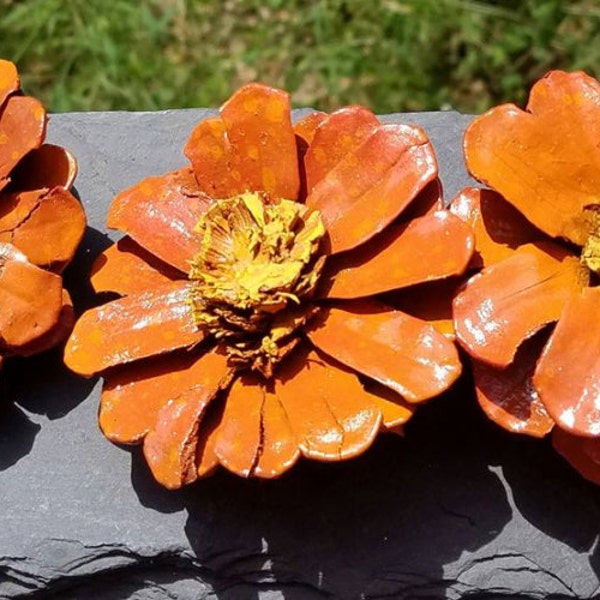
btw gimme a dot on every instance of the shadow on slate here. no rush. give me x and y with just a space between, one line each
17 433
383 525
456 509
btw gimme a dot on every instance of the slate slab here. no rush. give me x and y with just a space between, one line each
457 508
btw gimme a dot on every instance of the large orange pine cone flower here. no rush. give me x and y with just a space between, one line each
541 259
247 333
41 225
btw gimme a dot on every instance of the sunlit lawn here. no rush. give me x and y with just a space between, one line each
392 55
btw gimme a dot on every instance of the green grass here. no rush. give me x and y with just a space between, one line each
392 55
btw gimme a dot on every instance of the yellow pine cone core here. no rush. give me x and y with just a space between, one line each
258 264
590 253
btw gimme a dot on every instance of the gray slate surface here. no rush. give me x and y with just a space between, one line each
456 509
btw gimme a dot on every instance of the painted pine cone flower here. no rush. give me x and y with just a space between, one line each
540 266
246 334
41 225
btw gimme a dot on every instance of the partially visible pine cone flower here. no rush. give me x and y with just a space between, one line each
41 225
529 319
250 330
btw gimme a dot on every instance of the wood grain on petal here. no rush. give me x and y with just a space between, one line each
279 447
160 214
399 351
546 160
568 373
133 395
170 447
426 249
368 188
330 413
132 328
509 301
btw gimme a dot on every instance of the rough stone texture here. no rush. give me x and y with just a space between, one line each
456 509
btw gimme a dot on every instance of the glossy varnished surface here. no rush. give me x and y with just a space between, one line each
455 506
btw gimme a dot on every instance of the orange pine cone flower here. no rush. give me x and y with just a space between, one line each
540 266
246 334
41 225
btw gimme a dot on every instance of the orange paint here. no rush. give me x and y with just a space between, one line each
425 249
545 161
327 403
403 353
41 224
509 301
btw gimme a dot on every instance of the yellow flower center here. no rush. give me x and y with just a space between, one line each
258 263
590 253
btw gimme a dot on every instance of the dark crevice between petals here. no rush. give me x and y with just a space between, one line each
12 230
261 435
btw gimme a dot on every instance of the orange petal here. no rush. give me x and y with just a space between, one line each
132 328
206 459
279 447
429 201
31 299
511 300
338 135
508 396
373 184
9 80
133 396
46 225
305 132
22 128
160 214
582 453
499 227
126 268
331 415
254 436
431 302
238 437
306 127
16 208
45 167
428 248
212 157
568 373
545 161
252 147
395 411
406 354
170 448
57 334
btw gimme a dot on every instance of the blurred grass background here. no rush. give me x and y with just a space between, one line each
392 55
